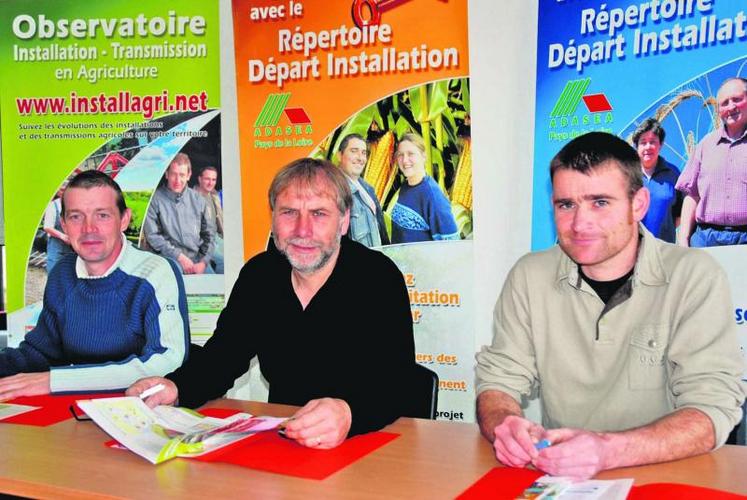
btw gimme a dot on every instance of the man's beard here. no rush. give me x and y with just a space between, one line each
308 267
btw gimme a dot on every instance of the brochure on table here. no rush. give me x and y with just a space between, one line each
564 488
165 432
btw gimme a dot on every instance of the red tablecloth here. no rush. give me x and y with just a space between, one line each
509 482
52 408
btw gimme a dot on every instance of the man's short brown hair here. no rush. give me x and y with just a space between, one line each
181 159
590 151
91 179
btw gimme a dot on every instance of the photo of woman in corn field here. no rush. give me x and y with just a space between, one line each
422 212
419 160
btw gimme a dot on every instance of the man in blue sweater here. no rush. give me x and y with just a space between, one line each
112 314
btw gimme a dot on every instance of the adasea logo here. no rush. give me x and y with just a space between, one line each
569 119
279 126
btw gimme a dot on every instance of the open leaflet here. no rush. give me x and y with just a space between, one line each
165 432
564 488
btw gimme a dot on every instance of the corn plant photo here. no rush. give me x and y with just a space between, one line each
419 159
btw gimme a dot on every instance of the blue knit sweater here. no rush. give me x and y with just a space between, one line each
422 213
103 333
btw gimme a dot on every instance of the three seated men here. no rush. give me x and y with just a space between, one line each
627 338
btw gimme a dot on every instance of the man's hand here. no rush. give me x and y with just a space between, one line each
24 384
199 267
166 396
574 452
682 240
321 423
514 442
186 264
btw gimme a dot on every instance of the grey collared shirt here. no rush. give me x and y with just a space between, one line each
669 343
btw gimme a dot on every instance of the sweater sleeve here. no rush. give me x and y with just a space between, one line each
40 348
166 335
382 396
440 218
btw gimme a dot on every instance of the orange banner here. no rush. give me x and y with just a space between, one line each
304 68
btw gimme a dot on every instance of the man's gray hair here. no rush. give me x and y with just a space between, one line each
733 79
308 173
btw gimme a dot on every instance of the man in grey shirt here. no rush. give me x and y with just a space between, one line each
178 224
629 340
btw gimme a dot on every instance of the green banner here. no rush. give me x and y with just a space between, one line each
91 85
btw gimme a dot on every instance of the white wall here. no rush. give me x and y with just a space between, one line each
234 250
503 53
503 47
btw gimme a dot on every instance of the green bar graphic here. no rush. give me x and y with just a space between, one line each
561 100
277 109
581 86
570 97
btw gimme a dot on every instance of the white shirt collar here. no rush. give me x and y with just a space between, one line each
82 272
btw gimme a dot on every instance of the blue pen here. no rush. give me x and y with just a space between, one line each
541 445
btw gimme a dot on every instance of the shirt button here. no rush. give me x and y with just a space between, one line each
652 343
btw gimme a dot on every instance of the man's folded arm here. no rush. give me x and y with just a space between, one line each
32 355
41 347
506 369
683 433
493 407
